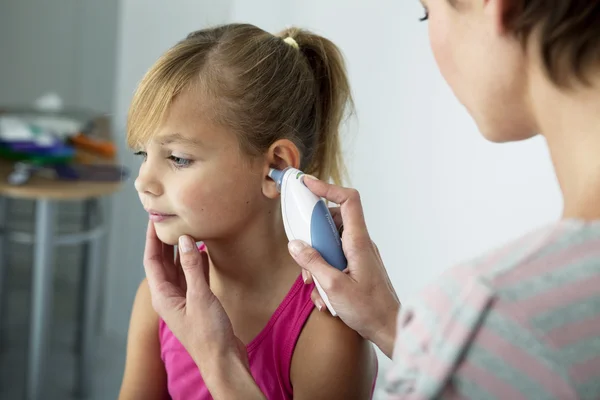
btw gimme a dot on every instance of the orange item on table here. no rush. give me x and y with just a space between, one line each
100 147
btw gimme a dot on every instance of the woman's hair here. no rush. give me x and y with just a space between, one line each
569 33
264 87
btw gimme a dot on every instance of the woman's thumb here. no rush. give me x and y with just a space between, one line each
310 259
194 264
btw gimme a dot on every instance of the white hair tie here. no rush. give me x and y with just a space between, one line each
290 40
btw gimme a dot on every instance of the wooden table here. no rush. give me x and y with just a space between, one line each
47 193
40 187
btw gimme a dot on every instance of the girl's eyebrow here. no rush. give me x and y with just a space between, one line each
179 138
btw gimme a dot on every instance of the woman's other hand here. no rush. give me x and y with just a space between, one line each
181 296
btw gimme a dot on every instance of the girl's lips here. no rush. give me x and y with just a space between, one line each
158 217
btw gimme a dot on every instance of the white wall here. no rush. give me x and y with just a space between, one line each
434 191
270 15
64 46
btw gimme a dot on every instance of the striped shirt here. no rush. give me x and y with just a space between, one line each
522 322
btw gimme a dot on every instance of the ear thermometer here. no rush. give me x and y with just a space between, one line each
306 217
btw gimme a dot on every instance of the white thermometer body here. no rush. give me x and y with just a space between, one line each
306 217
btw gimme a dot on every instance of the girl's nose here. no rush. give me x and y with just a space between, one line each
148 183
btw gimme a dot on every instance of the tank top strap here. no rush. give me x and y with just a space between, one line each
283 330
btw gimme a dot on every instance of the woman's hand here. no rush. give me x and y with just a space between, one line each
182 297
362 296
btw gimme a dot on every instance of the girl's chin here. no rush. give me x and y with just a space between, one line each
169 237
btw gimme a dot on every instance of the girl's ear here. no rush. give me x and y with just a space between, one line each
282 154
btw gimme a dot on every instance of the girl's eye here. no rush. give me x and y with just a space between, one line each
142 154
425 17
180 162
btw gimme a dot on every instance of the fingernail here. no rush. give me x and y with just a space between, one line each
185 244
304 276
296 246
314 178
319 304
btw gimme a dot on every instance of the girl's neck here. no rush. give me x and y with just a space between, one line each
570 122
253 260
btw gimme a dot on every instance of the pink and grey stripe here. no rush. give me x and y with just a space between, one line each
522 322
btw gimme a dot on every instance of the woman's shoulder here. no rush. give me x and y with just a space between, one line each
535 265
537 261
562 242
526 295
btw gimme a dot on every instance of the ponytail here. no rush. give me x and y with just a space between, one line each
334 100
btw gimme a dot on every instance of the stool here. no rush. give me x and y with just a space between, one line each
46 193
44 241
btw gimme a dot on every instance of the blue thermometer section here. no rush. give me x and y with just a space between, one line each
325 237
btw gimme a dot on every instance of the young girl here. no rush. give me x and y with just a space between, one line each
210 119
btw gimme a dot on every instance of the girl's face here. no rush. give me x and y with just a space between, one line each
195 180
484 64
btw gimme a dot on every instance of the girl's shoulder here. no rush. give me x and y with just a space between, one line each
330 356
144 375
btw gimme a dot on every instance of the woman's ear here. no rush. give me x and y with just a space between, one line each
501 13
282 154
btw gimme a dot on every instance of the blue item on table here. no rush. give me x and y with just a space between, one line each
92 172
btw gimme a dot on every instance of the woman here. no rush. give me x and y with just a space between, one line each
520 322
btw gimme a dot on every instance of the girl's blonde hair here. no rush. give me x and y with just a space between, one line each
264 87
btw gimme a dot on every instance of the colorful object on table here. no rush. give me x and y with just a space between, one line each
20 141
23 171
39 158
14 129
67 155
21 174
92 173
89 143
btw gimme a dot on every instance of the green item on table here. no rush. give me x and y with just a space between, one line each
36 159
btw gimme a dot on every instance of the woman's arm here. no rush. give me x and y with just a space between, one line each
182 297
145 377
332 361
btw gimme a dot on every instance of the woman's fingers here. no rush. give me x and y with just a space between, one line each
306 277
180 275
351 209
317 300
153 258
206 269
168 252
336 214
194 264
311 260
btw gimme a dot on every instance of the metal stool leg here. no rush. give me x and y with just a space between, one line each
42 293
89 212
91 291
3 268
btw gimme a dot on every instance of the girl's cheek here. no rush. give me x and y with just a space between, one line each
198 199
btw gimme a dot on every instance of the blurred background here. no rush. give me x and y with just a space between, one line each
435 193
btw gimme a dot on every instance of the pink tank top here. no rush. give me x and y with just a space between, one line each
270 353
